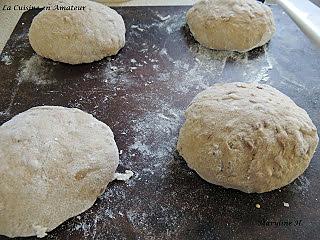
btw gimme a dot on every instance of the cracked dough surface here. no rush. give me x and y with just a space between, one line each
235 25
247 136
77 36
54 163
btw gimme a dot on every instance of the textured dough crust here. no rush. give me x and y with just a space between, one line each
77 36
54 163
235 25
247 136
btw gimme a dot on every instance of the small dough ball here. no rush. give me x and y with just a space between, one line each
54 163
234 25
77 36
247 136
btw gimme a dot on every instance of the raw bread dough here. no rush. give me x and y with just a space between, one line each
77 36
247 136
54 163
235 25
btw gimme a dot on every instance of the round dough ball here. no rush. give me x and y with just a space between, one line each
247 136
54 163
235 25
77 36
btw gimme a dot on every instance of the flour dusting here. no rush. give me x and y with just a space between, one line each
301 185
162 127
123 176
35 70
7 59
168 23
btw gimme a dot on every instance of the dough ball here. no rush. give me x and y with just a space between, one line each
54 163
77 36
235 25
247 136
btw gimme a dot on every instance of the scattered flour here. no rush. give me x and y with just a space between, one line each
168 23
286 204
162 18
301 185
123 176
257 70
35 70
155 134
7 59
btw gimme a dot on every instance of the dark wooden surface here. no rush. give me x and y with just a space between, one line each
143 100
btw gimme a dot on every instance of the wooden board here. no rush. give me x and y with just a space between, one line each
141 94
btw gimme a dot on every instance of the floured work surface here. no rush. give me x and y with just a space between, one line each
141 94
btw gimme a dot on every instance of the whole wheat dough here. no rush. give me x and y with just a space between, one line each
235 25
247 136
54 163
77 36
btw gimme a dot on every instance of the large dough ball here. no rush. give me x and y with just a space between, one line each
247 136
54 163
77 36
235 25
